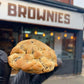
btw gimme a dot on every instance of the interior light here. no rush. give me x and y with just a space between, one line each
35 32
51 34
43 34
72 37
26 35
58 37
65 35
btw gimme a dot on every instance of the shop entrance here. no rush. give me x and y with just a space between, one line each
6 42
8 39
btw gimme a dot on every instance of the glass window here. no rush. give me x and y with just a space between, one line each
44 35
64 45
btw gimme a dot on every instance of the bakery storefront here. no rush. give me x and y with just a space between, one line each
59 26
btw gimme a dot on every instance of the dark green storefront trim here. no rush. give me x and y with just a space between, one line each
78 53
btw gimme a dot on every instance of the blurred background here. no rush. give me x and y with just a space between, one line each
64 41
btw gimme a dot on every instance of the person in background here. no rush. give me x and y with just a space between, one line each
5 69
27 78
12 41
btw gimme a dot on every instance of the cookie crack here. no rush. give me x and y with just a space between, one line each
43 65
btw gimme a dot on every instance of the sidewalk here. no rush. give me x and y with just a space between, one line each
65 79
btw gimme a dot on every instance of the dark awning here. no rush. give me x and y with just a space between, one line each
58 5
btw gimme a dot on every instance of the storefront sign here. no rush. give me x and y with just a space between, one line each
18 11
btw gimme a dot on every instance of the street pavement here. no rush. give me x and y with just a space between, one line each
78 79
67 79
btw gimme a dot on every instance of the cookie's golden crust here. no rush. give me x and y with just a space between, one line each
32 56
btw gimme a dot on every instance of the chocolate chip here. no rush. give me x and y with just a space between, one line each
32 51
46 67
25 51
32 42
42 70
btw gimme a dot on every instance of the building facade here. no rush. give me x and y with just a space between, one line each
58 25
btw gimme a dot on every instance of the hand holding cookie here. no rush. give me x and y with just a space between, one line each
32 56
